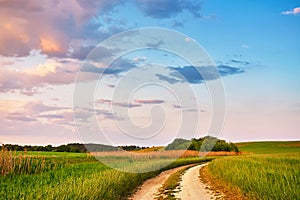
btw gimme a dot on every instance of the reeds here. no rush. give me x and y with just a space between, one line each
12 163
136 155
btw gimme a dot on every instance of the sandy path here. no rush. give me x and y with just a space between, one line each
150 187
191 187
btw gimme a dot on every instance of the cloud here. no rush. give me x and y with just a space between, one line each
149 101
34 111
195 110
127 105
117 67
193 74
226 70
52 72
35 122
245 46
111 85
155 44
82 52
48 26
19 117
96 54
167 79
121 104
176 106
86 113
61 28
167 8
176 24
52 116
33 107
240 62
140 59
295 11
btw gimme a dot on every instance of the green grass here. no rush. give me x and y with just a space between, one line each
80 177
270 147
273 176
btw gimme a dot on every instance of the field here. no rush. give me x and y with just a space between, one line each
270 171
76 175
265 170
270 147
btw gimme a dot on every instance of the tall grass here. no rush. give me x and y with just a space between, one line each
140 162
81 177
144 155
274 176
12 163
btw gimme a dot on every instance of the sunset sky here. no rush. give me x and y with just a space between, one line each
254 45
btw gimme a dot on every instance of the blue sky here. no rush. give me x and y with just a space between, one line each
254 45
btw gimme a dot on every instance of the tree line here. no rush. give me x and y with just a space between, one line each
72 147
207 143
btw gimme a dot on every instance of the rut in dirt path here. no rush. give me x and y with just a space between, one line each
150 188
191 188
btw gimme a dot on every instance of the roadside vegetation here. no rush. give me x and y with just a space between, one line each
264 170
74 176
264 174
12 163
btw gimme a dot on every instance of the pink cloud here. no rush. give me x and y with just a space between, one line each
52 72
140 59
44 25
121 104
149 101
34 112
295 11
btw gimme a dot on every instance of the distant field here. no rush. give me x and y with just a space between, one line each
269 147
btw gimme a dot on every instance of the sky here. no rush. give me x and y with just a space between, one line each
147 71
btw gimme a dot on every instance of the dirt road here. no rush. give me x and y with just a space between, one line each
150 187
191 187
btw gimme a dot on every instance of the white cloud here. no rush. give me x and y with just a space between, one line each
245 46
295 11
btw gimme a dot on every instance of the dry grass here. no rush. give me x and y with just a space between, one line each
12 164
158 148
219 153
160 154
220 189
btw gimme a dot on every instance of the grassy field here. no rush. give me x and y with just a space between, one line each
269 147
272 171
75 176
268 170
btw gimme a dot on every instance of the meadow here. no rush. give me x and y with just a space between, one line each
264 170
271 170
75 175
274 147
